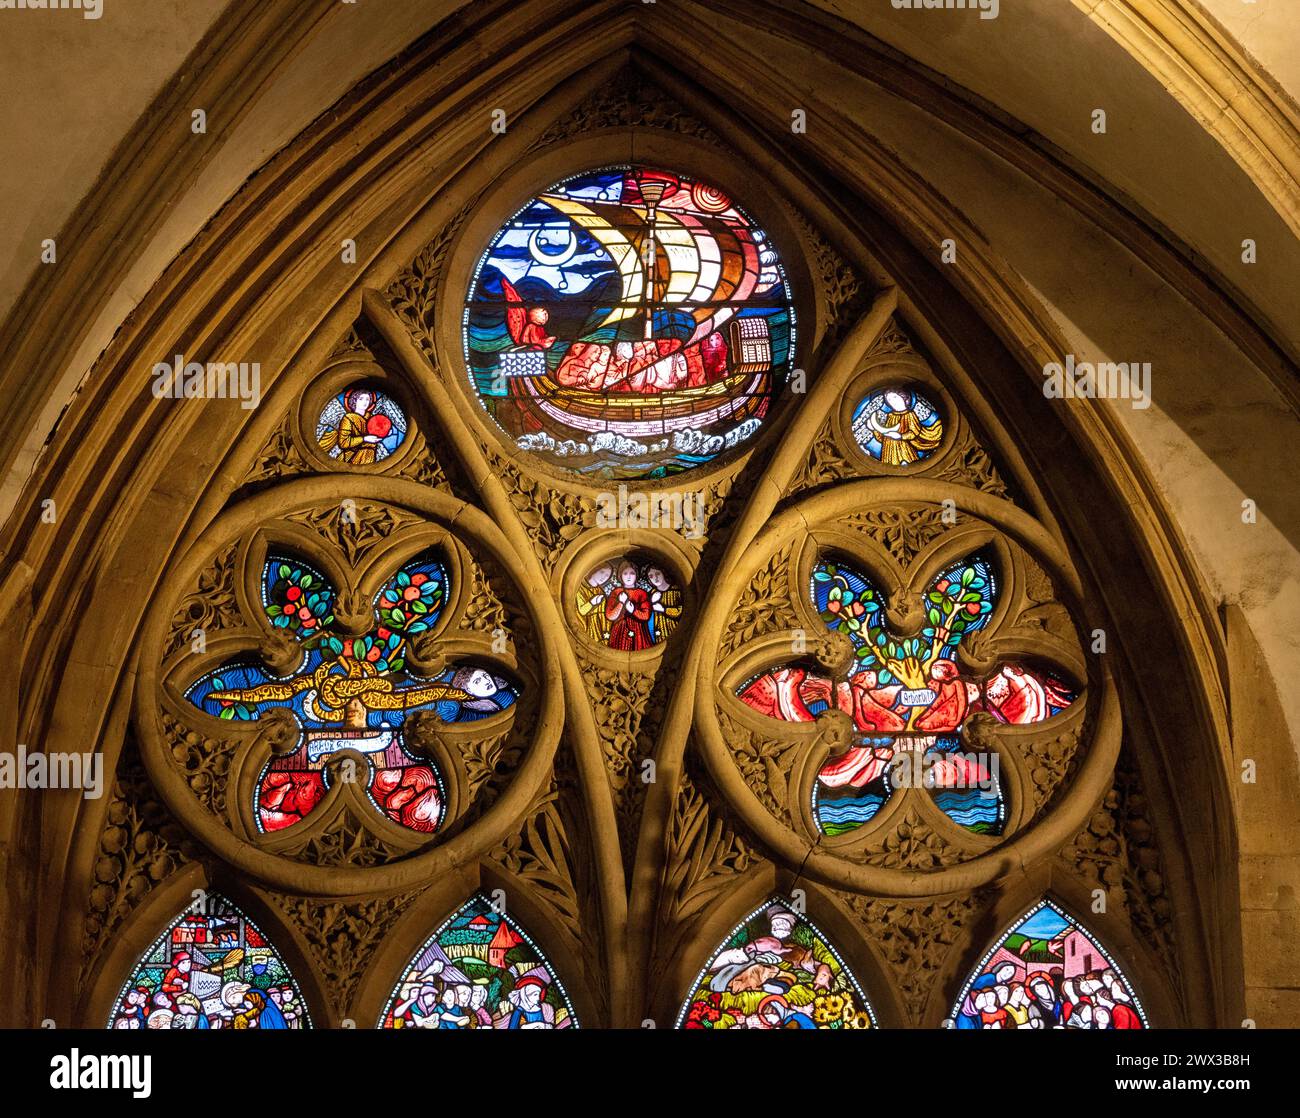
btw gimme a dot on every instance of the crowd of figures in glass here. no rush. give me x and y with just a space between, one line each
897 426
479 971
352 694
211 970
1047 973
908 699
776 971
628 605
360 427
629 322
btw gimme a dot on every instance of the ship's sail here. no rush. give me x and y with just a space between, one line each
709 259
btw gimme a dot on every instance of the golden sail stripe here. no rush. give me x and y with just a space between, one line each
621 251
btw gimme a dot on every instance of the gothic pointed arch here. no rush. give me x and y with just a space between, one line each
776 970
212 968
893 565
479 969
1047 971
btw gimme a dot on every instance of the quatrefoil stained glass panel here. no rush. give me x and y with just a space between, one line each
908 698
352 693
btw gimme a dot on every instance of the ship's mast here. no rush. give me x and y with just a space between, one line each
652 192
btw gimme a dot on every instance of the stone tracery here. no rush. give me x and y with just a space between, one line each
543 838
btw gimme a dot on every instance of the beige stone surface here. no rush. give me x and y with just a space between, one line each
1123 247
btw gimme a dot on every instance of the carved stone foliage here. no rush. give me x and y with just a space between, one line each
210 606
347 841
893 340
705 855
141 845
204 760
903 531
280 457
629 708
351 346
629 100
1118 851
540 855
911 842
717 510
915 939
551 855
967 463
487 760
485 611
354 528
1042 609
826 463
1050 760
764 605
844 292
553 517
413 293
970 464
342 936
767 763
425 466
494 606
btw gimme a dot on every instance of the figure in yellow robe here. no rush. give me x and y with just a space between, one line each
907 439
591 603
352 440
666 602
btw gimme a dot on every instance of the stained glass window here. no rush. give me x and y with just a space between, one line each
897 426
629 322
479 970
352 693
361 426
1047 972
776 970
628 604
908 698
211 969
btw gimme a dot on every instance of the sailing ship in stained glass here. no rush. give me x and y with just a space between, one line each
629 322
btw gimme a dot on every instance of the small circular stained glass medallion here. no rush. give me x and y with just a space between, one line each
897 426
360 427
628 604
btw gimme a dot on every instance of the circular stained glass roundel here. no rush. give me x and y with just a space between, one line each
629 322
897 426
360 426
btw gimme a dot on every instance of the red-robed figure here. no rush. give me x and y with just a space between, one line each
628 610
177 979
527 328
